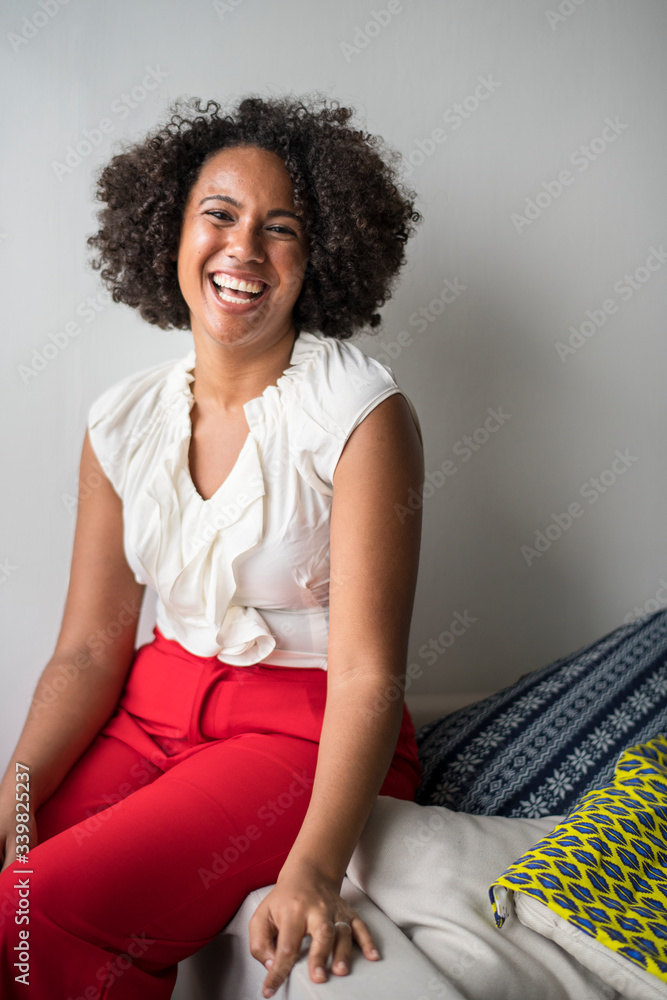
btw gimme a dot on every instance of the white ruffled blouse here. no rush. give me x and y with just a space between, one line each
244 575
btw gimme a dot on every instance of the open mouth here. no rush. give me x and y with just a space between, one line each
236 290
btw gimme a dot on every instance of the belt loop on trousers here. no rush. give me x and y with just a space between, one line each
209 677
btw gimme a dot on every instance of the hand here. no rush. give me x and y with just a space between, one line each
305 902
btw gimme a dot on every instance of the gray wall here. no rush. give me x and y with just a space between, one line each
492 103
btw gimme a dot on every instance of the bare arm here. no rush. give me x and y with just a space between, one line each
374 558
81 684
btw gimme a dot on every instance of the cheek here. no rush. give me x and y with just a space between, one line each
191 257
294 268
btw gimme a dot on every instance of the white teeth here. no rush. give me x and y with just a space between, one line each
225 281
230 298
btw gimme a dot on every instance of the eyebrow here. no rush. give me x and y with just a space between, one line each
237 204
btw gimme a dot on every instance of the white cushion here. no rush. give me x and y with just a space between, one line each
429 869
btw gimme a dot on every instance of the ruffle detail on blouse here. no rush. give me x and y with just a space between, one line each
187 545
307 350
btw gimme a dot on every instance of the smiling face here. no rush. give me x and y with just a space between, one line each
243 250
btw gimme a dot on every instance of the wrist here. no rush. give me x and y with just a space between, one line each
303 867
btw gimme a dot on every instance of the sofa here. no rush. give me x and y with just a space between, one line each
531 866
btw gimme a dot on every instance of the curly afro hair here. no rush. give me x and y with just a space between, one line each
358 216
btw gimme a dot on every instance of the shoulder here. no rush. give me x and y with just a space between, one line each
127 397
122 416
339 381
335 386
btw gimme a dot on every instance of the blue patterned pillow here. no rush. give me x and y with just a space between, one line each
533 749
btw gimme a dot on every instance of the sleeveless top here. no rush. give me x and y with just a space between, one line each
244 575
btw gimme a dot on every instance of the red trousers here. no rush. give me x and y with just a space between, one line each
190 797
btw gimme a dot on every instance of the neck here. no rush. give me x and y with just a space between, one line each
228 375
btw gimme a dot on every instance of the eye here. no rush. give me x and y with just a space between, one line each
282 229
219 213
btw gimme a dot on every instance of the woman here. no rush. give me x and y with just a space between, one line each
254 484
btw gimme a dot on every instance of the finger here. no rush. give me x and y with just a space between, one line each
342 953
287 950
364 939
323 937
262 937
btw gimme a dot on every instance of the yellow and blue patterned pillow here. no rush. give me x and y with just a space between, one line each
603 869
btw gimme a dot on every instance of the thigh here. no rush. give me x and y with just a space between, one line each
106 773
172 862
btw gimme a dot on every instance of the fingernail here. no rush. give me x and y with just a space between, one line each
341 966
269 992
374 953
320 972
268 963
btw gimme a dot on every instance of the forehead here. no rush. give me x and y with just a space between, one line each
244 168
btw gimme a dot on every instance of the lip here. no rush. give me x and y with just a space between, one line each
241 275
243 305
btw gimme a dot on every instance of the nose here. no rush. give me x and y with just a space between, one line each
244 242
